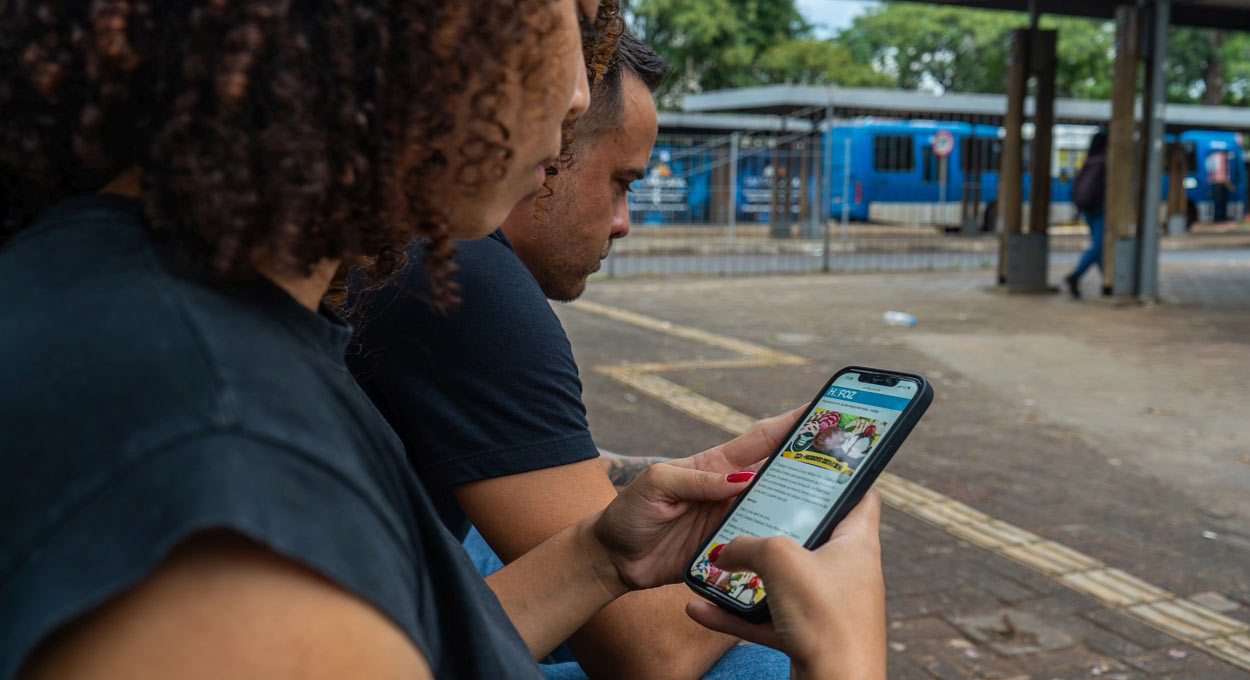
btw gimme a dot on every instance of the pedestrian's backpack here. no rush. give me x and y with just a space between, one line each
1091 184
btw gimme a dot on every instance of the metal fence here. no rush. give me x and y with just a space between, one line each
770 202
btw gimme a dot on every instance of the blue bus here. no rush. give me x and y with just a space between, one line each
676 188
894 176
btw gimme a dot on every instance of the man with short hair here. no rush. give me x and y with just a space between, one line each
488 400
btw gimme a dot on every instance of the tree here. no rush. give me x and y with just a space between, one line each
811 62
716 44
955 49
713 44
1208 67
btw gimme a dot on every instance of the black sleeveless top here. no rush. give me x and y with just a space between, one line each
138 407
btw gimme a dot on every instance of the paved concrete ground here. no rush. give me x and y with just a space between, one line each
1118 432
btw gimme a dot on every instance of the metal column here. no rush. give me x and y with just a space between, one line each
826 209
774 231
807 172
734 140
1011 171
1121 214
846 187
1148 264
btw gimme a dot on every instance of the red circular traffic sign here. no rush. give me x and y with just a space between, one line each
943 143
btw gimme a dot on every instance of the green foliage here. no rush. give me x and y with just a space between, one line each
1195 54
923 46
958 49
716 44
815 62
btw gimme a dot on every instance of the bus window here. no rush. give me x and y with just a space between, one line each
893 153
1069 164
989 150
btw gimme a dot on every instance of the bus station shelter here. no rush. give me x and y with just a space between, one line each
1136 122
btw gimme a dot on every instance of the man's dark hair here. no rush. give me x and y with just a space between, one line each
632 56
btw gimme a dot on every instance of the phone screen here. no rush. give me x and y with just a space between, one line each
800 486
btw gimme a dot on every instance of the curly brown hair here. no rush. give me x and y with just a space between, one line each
266 131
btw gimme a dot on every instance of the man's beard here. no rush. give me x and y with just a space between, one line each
567 283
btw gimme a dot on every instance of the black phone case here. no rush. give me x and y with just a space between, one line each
758 613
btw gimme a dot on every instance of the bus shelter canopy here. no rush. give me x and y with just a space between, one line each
1223 14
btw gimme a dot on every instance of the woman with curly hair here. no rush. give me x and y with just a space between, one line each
193 485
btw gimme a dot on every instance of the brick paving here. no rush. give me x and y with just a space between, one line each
1091 481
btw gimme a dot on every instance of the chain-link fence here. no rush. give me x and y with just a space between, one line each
773 202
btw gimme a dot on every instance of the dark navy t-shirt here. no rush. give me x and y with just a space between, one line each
490 389
138 407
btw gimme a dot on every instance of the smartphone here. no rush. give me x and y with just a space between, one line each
823 467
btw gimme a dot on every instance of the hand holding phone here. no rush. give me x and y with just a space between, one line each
651 527
832 625
825 465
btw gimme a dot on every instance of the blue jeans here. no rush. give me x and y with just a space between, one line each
743 662
1092 255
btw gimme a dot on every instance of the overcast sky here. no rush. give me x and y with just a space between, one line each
832 15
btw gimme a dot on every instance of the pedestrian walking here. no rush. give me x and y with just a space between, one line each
1089 193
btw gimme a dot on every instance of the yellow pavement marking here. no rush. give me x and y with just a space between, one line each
1235 649
678 397
750 349
1216 634
1115 587
700 364
1051 558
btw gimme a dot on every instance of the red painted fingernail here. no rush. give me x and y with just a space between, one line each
711 557
739 477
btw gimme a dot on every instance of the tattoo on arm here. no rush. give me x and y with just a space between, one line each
622 469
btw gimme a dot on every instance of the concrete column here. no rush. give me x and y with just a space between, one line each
1148 263
1042 61
1121 217
1011 169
